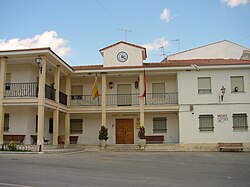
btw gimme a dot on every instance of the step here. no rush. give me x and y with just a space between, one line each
123 147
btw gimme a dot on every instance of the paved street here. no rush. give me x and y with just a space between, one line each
108 169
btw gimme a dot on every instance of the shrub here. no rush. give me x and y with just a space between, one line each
141 133
103 133
11 146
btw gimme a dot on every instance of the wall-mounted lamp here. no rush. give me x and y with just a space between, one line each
195 66
38 61
223 90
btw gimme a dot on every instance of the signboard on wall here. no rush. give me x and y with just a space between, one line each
222 118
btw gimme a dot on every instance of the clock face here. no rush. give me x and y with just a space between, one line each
122 56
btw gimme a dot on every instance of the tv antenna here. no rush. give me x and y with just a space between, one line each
125 32
163 51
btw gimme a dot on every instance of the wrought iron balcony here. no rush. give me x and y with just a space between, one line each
62 98
125 99
85 100
49 92
29 89
161 98
122 99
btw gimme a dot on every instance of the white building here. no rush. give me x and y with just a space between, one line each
184 103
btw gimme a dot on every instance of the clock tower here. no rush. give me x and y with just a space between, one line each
123 54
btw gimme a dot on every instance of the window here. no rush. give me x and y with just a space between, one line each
159 125
158 90
240 122
50 125
206 122
6 122
76 92
237 84
204 85
76 126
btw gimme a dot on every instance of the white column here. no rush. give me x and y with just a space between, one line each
68 90
55 126
67 128
2 92
57 83
41 99
104 82
141 100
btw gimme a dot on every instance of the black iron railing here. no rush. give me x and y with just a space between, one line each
122 99
161 98
85 100
125 99
49 92
29 89
62 98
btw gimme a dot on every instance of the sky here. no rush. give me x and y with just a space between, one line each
76 30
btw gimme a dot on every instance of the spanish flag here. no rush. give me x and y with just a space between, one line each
145 86
95 93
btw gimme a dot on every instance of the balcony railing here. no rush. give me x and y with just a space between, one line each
122 99
125 99
49 92
85 100
29 89
161 98
62 98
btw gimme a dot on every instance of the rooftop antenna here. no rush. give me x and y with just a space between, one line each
125 32
163 51
179 44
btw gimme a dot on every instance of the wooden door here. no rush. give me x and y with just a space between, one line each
125 131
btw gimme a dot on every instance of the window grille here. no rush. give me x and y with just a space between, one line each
159 125
76 126
240 122
206 123
6 122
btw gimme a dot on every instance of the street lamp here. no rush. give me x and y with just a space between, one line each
38 61
223 90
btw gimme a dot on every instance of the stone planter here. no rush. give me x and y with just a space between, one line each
103 144
142 143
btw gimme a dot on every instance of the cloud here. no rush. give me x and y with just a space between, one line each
46 39
165 15
234 3
156 44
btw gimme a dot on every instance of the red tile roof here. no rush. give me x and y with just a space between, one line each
123 43
30 49
126 43
172 63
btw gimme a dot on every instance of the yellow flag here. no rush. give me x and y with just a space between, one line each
95 93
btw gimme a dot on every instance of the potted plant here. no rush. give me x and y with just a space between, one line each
103 136
141 135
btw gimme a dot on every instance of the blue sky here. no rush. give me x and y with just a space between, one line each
77 29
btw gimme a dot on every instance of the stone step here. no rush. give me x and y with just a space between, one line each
62 150
122 147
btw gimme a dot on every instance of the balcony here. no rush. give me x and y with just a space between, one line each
62 98
122 99
85 100
161 98
21 89
126 99
49 92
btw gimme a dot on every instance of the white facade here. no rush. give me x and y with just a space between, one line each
172 108
219 50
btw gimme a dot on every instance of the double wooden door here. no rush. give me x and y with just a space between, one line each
124 131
